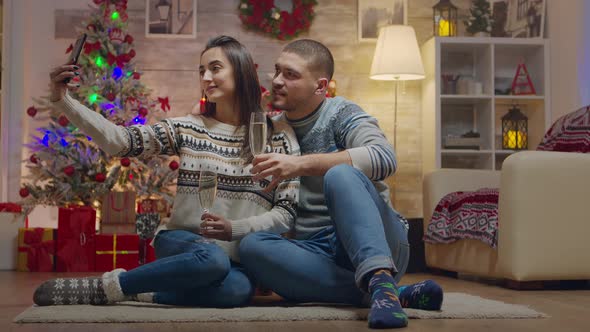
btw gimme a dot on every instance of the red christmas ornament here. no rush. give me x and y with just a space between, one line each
69 170
128 39
32 111
33 159
100 177
63 120
143 112
136 75
91 27
132 53
125 162
111 96
23 192
173 165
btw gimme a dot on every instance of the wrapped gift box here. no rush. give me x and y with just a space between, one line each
11 219
158 206
147 253
116 251
36 249
146 224
117 229
75 239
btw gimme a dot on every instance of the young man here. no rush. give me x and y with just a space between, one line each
350 245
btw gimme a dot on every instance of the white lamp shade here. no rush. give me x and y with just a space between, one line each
397 56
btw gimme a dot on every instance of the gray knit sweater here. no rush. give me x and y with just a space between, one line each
337 125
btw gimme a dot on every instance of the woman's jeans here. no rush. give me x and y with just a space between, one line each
332 265
190 270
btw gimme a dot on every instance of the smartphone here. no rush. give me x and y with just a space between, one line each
76 53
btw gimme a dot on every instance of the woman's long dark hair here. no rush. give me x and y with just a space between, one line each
248 92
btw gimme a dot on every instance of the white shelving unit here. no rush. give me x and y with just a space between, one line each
485 67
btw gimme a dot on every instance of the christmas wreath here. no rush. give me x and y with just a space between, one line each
264 16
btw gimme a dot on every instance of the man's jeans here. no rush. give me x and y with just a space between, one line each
331 266
189 270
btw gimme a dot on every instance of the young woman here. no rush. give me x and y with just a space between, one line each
197 261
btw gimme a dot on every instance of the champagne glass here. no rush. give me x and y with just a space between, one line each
258 130
207 189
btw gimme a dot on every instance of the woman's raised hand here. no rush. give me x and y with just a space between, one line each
58 86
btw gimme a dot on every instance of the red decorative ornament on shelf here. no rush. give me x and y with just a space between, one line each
34 159
264 16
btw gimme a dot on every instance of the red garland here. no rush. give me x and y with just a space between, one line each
262 15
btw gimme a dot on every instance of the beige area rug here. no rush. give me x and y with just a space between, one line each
455 305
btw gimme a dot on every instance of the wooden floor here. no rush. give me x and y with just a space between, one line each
569 311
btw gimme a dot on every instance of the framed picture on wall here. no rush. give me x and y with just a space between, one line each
171 18
518 18
374 14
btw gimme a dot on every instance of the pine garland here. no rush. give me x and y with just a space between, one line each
480 19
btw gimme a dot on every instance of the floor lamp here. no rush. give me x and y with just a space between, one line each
397 58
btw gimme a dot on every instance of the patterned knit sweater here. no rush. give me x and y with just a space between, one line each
202 143
338 125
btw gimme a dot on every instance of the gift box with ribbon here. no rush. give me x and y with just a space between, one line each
75 239
11 219
36 249
147 253
116 251
118 207
151 205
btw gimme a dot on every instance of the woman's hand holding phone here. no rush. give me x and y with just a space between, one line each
58 85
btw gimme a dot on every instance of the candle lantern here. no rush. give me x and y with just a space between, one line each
444 19
514 130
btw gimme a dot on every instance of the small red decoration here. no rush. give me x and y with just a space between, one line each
63 120
32 111
136 75
522 84
69 170
23 192
69 49
266 17
91 27
116 36
100 177
128 39
173 165
111 96
164 103
125 162
89 47
34 159
131 53
143 112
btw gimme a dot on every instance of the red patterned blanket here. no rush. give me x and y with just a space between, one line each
465 215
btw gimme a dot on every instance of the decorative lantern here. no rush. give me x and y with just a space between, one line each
444 18
164 7
514 130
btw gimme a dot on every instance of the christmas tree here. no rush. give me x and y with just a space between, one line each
480 19
65 166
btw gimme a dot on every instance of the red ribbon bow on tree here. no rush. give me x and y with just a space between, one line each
38 251
120 59
164 103
89 47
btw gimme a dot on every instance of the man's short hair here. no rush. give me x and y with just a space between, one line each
315 53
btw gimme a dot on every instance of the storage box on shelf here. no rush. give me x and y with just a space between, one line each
466 90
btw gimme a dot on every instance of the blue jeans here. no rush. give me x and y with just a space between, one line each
332 265
189 270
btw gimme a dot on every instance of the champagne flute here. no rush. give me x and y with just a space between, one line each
258 130
207 190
